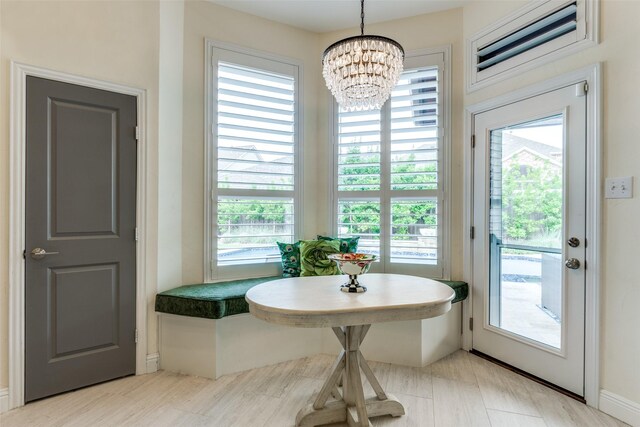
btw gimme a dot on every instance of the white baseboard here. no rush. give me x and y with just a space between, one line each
4 400
620 408
152 362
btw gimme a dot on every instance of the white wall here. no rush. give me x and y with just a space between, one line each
113 41
620 279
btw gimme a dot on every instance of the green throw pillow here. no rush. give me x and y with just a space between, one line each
348 245
290 253
313 254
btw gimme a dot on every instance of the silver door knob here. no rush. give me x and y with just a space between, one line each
39 253
572 263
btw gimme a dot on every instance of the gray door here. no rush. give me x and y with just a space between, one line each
81 211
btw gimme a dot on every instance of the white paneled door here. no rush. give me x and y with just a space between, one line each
529 245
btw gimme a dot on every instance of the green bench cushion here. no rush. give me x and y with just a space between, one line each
218 300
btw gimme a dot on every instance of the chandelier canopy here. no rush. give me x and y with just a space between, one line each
361 71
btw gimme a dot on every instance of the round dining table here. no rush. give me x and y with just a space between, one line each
316 302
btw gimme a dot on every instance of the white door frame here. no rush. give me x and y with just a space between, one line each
17 156
593 75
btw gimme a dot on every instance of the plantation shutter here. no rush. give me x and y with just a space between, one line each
388 180
414 151
256 171
359 177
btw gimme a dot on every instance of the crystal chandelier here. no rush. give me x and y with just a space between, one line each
361 71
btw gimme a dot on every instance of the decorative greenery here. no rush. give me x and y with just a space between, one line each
313 254
290 253
348 245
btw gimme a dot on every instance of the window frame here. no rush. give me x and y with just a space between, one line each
440 57
586 35
215 51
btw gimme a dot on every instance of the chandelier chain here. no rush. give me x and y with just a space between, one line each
362 17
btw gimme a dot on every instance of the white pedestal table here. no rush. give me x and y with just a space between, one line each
317 302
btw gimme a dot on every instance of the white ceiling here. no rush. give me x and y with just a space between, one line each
329 15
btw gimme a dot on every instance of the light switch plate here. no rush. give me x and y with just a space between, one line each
619 188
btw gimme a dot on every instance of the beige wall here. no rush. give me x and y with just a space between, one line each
112 41
120 42
620 278
171 55
419 32
206 20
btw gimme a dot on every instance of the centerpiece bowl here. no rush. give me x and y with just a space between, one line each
353 265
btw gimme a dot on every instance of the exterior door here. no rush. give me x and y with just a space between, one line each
80 237
529 246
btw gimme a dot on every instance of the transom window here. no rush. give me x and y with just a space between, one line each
389 180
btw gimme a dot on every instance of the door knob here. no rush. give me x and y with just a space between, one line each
39 253
572 263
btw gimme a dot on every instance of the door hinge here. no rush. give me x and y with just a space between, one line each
24 253
582 88
136 234
135 336
585 264
137 133
471 323
472 233
473 141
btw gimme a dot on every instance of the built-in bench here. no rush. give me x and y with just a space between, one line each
222 299
205 330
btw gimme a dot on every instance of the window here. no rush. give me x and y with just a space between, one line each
389 172
531 36
253 165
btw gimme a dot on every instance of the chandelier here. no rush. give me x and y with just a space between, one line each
361 71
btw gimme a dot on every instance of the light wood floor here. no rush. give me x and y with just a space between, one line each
459 390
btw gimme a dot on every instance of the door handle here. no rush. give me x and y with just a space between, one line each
39 253
572 263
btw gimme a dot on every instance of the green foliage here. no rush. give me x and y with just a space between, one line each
364 217
532 201
362 172
262 218
404 215
365 172
361 217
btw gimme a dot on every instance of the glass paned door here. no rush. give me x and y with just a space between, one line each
525 229
530 220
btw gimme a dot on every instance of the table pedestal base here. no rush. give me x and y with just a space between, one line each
345 386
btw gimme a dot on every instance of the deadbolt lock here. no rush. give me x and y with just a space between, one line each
574 242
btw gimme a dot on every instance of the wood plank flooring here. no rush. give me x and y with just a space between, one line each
459 390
